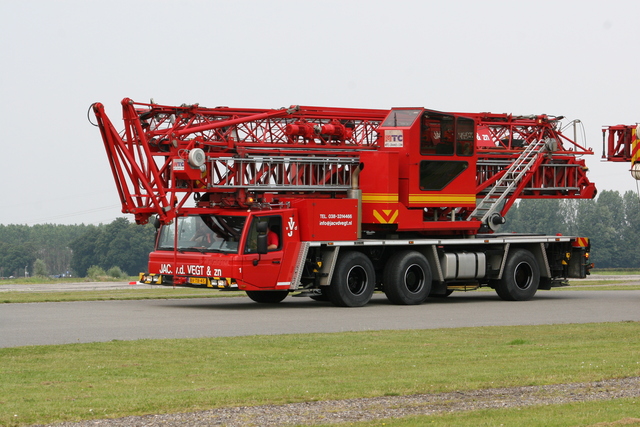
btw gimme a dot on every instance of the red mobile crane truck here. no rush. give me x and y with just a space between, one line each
405 200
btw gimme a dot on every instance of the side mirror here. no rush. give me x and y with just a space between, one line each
262 228
262 243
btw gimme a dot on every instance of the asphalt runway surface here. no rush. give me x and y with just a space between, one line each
93 321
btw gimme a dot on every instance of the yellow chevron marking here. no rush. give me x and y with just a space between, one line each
377 216
388 218
582 242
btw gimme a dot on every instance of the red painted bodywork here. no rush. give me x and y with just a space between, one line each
419 171
620 143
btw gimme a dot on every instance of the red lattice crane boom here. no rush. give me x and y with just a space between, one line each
153 159
338 202
237 156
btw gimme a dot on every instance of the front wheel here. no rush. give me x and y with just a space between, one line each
520 278
353 281
267 297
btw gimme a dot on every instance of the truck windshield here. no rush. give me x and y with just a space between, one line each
203 233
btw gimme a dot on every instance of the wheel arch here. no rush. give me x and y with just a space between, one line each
537 250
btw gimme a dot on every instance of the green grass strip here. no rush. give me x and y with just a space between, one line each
115 294
134 293
42 384
607 413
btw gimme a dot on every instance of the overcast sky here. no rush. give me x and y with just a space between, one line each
573 58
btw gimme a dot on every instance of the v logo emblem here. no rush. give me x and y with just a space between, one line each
386 216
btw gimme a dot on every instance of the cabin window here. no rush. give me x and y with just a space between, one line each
465 137
202 233
274 234
436 175
446 135
401 118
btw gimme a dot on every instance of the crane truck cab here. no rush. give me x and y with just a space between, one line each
225 249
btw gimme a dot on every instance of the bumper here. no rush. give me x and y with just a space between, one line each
189 281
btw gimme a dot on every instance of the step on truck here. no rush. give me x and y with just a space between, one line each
336 203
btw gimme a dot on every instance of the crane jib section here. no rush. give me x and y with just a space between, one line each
421 169
282 173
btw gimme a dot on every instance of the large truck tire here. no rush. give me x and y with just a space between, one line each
520 278
353 280
407 278
267 297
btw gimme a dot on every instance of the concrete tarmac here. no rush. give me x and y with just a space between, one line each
91 321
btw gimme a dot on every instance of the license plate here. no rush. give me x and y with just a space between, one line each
198 280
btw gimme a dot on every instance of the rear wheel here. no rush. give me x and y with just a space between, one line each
407 278
267 297
520 278
353 280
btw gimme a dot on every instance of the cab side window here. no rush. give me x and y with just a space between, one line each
446 135
274 234
465 136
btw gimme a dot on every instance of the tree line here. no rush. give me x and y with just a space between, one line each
611 222
60 250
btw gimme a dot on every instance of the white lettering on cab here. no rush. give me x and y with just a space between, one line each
291 226
195 270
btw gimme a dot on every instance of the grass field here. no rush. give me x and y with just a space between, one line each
613 413
40 279
179 292
42 384
605 271
114 294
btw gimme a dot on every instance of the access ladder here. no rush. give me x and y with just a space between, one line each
509 184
